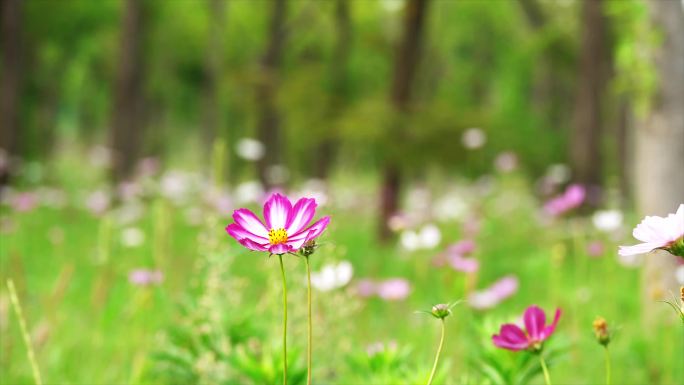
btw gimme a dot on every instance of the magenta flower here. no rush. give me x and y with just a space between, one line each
285 230
572 198
512 337
659 233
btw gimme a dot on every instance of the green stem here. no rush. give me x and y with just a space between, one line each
24 331
310 323
607 354
439 352
547 379
282 272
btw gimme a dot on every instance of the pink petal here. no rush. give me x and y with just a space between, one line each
280 248
248 243
277 211
502 343
236 231
534 319
546 333
302 212
641 248
512 333
248 221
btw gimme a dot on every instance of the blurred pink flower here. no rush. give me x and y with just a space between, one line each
24 201
286 228
512 337
466 265
394 289
494 294
572 198
462 248
147 167
659 233
595 249
98 202
366 288
145 277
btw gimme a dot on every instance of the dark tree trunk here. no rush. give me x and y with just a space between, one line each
128 112
11 83
585 146
213 63
405 69
339 86
268 125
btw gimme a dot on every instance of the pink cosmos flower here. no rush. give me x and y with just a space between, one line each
465 265
144 277
512 337
595 249
572 198
285 230
658 233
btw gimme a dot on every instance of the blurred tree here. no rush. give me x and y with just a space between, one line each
11 84
128 118
405 68
269 131
339 89
213 67
594 64
659 157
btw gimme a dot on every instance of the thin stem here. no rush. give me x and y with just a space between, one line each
607 354
439 352
547 379
282 272
24 332
310 325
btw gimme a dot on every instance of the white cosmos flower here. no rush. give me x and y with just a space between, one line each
332 276
658 233
607 220
132 237
250 149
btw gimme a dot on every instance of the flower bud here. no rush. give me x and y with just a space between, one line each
601 331
681 293
441 311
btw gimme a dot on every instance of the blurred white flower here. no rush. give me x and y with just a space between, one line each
450 207
132 237
314 188
248 192
679 273
506 161
175 185
430 236
100 156
332 276
52 197
277 174
607 220
250 149
129 213
473 138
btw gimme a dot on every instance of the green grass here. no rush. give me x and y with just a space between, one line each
90 325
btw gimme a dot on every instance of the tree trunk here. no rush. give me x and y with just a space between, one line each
659 161
268 125
10 85
585 146
213 63
405 69
128 111
339 87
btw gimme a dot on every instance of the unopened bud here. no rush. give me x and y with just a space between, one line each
681 293
441 310
601 331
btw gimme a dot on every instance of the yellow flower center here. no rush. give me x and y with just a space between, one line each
277 236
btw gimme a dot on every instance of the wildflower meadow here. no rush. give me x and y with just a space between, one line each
342 192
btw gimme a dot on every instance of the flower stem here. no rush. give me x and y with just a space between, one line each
439 352
282 272
310 323
547 379
24 331
607 354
